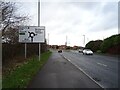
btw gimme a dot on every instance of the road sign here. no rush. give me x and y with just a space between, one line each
32 34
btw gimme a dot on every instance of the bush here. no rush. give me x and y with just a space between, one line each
98 51
110 42
94 45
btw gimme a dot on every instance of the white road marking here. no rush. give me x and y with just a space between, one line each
83 71
102 64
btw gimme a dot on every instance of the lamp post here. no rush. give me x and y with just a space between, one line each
48 38
84 40
39 24
66 40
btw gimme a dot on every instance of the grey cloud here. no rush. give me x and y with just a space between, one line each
109 18
86 5
107 13
110 7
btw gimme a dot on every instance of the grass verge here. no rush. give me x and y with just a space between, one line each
20 77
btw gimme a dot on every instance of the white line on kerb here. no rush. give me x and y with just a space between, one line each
102 64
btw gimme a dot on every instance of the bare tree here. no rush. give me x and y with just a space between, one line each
10 21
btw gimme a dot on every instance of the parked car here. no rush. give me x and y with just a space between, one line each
87 52
59 51
80 50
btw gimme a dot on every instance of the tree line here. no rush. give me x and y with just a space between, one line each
109 45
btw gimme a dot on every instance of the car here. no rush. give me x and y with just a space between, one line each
87 52
80 50
59 51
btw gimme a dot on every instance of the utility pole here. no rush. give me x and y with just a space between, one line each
84 40
66 40
87 40
48 38
39 25
48 42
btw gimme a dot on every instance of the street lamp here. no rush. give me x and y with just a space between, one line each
66 40
48 38
84 40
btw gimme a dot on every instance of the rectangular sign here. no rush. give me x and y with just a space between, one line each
32 34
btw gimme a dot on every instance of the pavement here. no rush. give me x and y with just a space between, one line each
60 73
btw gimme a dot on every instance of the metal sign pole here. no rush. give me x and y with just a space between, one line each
25 50
39 51
39 24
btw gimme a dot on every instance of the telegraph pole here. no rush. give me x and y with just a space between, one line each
48 42
48 38
66 40
84 40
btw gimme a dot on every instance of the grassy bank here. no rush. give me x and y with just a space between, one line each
21 76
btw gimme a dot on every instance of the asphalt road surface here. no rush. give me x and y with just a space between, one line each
103 69
60 73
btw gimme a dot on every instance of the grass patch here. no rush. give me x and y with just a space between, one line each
20 77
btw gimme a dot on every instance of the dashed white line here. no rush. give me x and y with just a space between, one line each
102 64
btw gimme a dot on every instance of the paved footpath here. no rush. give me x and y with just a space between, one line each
60 73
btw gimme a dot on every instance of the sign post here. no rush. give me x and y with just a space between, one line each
32 34
25 50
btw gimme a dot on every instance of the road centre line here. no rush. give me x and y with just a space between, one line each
102 64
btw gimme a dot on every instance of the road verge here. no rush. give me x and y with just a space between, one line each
22 75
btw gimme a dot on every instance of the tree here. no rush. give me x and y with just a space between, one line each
110 42
94 45
10 21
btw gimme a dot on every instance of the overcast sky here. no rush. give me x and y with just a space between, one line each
96 20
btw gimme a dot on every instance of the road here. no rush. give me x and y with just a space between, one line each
103 69
60 73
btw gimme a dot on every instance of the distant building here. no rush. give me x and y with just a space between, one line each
54 46
77 47
62 47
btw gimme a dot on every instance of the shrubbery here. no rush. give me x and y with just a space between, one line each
105 46
94 45
110 42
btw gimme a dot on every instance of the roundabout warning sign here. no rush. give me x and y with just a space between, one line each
32 34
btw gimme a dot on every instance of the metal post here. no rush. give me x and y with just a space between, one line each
38 12
25 50
39 51
66 40
39 24
84 40
48 38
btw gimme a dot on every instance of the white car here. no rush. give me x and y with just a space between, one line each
87 52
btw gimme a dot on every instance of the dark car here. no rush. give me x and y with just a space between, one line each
59 51
80 50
